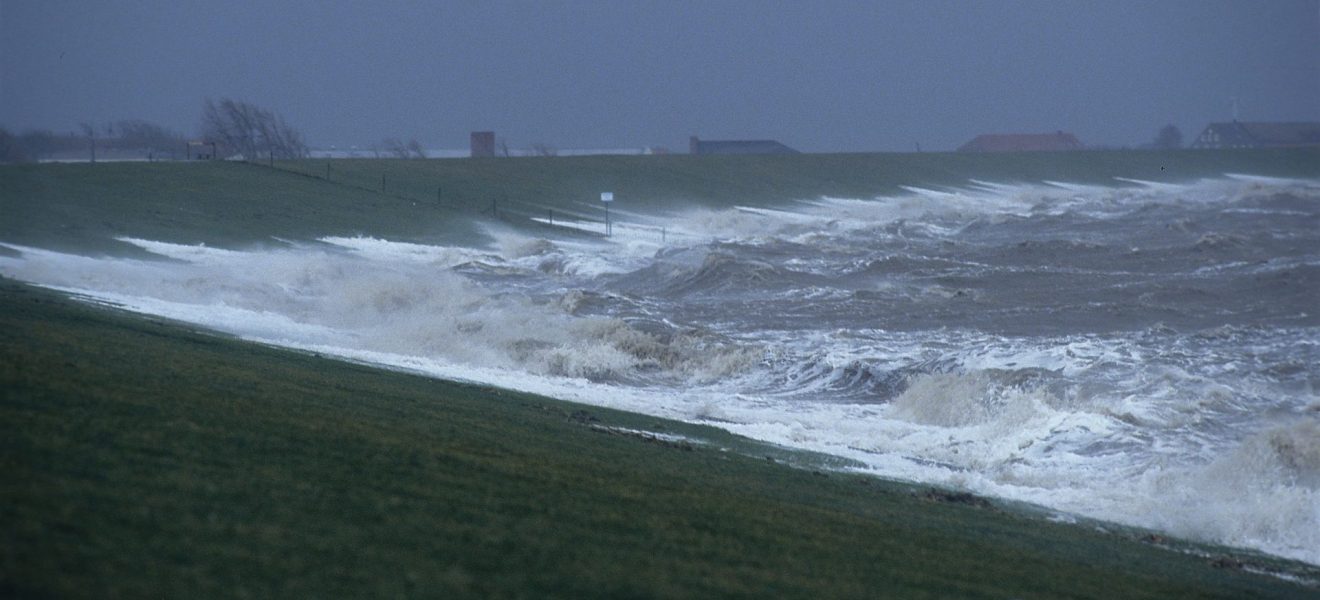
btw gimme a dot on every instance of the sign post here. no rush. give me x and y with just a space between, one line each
607 198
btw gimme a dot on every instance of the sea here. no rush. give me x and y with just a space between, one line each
1141 353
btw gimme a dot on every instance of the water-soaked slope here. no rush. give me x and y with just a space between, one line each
142 458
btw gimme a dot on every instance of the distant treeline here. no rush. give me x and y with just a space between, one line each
135 137
229 128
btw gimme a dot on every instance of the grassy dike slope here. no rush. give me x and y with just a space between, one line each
83 207
145 458
142 458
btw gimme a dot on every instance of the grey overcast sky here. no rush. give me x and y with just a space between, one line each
820 76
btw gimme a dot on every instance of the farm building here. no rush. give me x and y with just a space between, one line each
1236 134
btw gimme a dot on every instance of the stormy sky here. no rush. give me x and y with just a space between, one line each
820 76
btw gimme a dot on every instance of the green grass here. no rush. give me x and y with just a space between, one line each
725 180
82 207
142 458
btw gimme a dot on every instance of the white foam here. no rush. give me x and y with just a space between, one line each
388 251
1263 493
1152 430
196 253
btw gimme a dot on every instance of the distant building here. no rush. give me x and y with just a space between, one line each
1258 135
1023 142
483 144
698 146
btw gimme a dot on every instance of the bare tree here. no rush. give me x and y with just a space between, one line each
11 148
90 131
1169 138
143 135
416 149
397 149
36 144
250 131
394 148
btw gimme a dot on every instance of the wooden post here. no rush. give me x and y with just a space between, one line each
382 183
327 171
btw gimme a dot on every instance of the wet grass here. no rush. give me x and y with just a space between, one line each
82 207
142 458
657 181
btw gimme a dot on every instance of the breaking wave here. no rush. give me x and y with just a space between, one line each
1141 353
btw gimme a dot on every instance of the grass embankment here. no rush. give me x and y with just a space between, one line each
84 206
725 180
144 459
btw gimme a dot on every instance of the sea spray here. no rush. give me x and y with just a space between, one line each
1141 353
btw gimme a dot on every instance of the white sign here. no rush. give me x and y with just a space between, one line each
607 196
